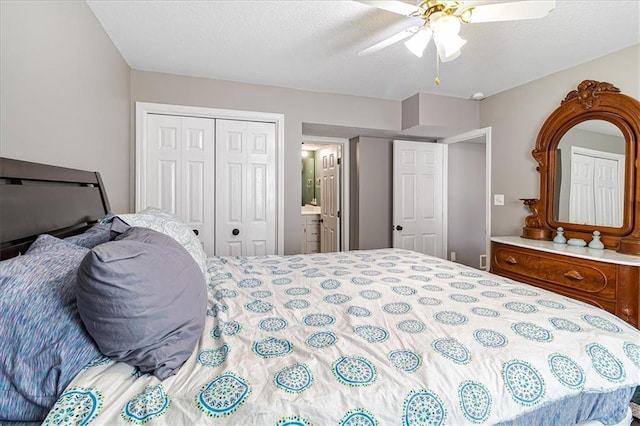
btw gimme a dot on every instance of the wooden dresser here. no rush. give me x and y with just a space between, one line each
602 278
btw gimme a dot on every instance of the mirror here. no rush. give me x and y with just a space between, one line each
586 153
308 176
590 169
310 183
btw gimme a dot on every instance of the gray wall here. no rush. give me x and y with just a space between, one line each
516 116
438 116
65 92
466 189
298 107
371 193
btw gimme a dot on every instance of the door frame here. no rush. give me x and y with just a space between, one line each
344 182
464 137
143 109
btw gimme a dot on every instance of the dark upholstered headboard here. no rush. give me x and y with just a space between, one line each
39 198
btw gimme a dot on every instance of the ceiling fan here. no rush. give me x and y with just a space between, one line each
442 21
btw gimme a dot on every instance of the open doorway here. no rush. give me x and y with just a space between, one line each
468 205
323 195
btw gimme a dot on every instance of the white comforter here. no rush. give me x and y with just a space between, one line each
361 338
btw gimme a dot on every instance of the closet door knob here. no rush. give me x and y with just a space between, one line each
236 231
399 228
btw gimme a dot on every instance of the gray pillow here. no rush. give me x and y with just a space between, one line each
142 298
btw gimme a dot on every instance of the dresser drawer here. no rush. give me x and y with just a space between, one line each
313 220
571 274
313 232
312 247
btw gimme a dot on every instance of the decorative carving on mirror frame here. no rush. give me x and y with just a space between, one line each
533 226
588 92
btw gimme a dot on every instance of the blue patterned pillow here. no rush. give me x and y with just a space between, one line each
43 344
97 234
171 225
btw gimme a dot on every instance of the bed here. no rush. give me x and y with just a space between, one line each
378 337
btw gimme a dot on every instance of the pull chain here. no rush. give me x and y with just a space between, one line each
437 80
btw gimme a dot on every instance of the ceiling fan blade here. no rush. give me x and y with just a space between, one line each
511 11
389 41
395 6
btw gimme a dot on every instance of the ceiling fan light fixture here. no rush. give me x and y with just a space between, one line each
449 47
418 42
442 23
445 36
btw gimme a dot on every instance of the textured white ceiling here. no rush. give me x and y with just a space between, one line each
313 45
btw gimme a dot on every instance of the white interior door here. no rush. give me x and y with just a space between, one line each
178 172
329 196
245 221
418 197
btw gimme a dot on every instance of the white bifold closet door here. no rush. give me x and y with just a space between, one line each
179 169
219 176
245 188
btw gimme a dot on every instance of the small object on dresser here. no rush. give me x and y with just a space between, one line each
596 243
576 242
560 238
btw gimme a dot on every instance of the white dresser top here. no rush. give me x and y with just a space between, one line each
609 256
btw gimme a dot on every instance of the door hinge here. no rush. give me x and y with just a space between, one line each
339 214
339 161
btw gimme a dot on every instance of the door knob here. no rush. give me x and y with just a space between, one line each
399 228
236 231
195 231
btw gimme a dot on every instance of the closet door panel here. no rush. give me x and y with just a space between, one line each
163 162
178 173
246 150
197 200
167 177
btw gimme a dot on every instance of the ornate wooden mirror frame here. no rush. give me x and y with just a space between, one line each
592 100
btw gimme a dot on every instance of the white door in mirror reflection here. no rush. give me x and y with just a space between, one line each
597 182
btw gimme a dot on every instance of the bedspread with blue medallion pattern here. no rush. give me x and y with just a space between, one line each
383 337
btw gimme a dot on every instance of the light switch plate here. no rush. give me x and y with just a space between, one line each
498 199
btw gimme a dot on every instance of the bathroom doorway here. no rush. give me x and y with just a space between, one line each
324 171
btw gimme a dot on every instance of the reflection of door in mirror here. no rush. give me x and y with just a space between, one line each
597 181
590 170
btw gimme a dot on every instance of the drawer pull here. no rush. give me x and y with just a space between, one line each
574 275
511 260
